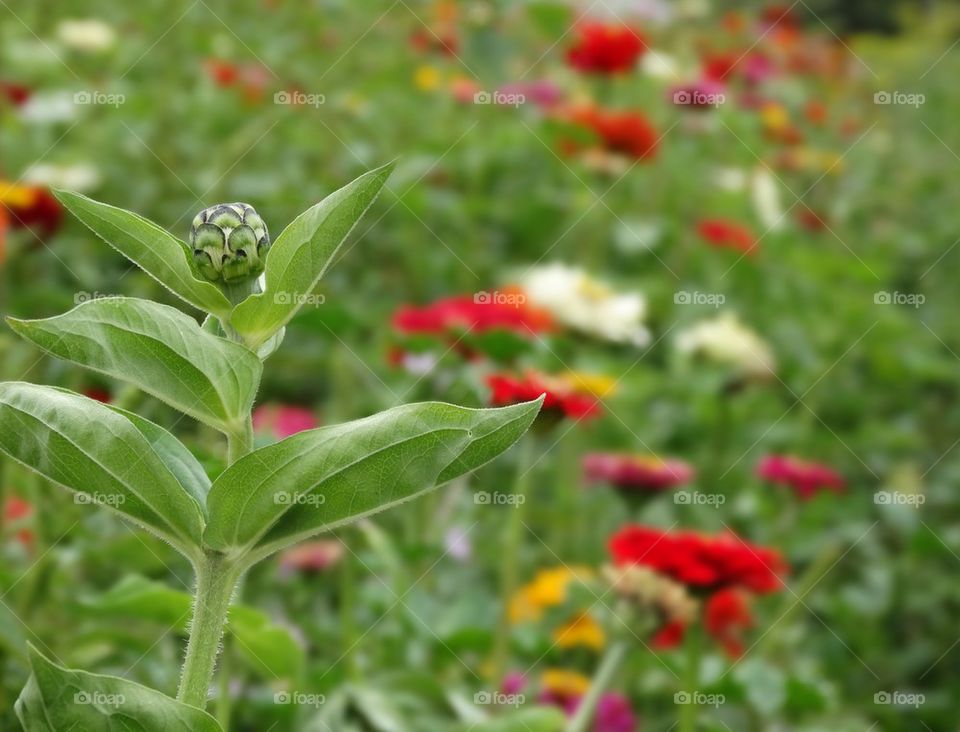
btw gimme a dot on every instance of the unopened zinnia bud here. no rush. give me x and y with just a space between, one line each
230 242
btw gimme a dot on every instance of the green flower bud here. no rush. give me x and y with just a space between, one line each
230 242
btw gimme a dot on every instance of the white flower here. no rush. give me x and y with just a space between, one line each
660 65
726 340
80 178
93 36
578 301
730 179
49 107
766 199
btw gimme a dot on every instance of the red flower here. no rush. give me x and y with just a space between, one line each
16 511
725 614
624 132
720 66
312 556
16 94
562 399
805 478
98 393
606 49
455 315
31 208
627 471
724 234
282 420
705 563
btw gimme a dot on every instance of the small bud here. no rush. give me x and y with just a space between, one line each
230 242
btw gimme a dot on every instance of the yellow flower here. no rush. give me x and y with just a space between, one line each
564 683
426 78
774 116
596 384
547 589
582 631
14 196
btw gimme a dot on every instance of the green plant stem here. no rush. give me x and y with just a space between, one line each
691 682
240 443
224 702
216 581
609 665
513 532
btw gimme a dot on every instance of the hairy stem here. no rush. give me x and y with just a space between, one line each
612 659
216 581
240 443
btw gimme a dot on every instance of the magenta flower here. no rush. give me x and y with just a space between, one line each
805 478
636 472
281 420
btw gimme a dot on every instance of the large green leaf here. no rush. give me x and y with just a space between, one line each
160 254
320 479
93 450
57 699
301 254
267 648
159 349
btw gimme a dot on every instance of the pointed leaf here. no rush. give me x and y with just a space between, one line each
159 349
89 448
320 479
301 254
158 252
57 699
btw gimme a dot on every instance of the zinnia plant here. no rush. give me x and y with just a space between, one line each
266 499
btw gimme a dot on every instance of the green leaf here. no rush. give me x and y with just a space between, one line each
159 349
155 250
535 719
57 699
89 448
321 479
301 254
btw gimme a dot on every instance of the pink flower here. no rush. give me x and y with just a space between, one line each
805 478
541 92
628 471
281 420
313 556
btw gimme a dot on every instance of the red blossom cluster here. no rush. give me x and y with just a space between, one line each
562 400
724 234
606 48
624 132
805 478
456 315
725 615
635 472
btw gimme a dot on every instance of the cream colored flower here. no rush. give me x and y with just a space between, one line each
726 340
575 299
765 192
80 178
89 35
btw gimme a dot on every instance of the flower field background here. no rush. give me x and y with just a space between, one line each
718 236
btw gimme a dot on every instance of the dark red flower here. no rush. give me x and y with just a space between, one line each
16 94
31 208
633 472
725 615
98 393
724 234
563 398
805 478
16 512
720 66
606 48
705 563
625 132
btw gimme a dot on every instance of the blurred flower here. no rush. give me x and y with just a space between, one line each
99 394
756 68
281 420
606 48
811 220
49 107
562 685
730 179
811 160
725 234
16 512
765 192
513 683
805 478
816 112
581 632
614 714
726 340
457 543
635 472
704 563
453 316
30 207
425 41
698 95
90 35
15 94
563 398
660 65
548 589
464 89
777 125
625 132
427 78
251 78
652 591
312 556
542 92
725 615
81 177
590 306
